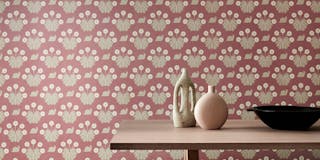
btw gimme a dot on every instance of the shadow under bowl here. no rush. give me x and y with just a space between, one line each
287 117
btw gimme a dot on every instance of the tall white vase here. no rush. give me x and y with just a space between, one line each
183 114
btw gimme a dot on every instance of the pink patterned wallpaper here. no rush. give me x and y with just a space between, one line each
71 70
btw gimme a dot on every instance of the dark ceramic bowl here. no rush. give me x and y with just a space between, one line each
287 117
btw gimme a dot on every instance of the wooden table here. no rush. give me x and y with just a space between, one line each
235 134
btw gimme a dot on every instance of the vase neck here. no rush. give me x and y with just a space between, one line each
211 89
184 72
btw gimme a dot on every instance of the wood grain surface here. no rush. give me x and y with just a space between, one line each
235 134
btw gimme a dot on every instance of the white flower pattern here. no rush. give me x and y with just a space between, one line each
71 70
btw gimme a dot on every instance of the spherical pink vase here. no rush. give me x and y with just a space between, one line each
211 110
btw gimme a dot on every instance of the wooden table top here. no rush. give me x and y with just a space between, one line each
235 134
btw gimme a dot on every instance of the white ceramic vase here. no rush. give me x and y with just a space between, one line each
183 112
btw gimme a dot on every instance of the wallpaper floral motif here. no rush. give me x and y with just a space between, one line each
71 70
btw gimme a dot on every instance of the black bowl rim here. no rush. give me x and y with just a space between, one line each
285 108
272 115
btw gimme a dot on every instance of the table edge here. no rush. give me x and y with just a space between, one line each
196 146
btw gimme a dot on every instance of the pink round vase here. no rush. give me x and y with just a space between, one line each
211 110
